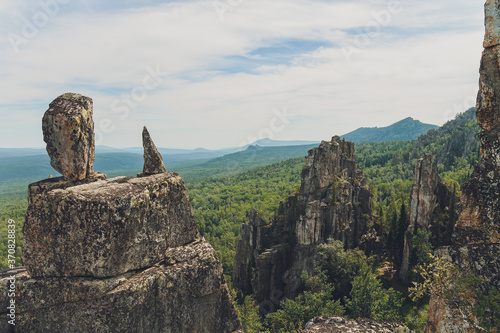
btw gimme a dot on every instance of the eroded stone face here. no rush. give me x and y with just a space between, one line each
334 201
153 161
476 238
68 130
492 23
105 228
186 293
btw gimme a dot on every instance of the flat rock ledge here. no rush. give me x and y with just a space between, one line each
184 293
106 227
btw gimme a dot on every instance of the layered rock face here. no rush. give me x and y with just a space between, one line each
476 238
334 201
186 292
427 191
117 255
68 130
107 227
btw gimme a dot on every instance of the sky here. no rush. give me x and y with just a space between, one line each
225 73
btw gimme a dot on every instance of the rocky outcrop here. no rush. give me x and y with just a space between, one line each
153 161
254 238
427 193
116 255
339 324
105 228
185 292
68 130
333 201
476 239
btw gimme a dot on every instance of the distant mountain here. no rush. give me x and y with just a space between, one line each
16 152
406 129
235 163
276 143
192 166
171 155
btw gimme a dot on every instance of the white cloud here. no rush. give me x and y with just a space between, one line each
422 64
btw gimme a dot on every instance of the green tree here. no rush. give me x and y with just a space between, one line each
340 266
369 300
316 301
249 316
472 297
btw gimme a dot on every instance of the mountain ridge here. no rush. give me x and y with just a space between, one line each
405 129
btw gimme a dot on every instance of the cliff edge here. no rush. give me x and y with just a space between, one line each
112 255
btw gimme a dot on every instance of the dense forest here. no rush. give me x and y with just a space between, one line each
347 282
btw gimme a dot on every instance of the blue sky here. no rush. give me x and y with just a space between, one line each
221 73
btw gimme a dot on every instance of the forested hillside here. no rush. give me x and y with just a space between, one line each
221 191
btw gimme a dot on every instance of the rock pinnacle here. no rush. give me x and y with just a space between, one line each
68 130
153 161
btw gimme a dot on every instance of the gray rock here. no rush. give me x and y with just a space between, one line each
68 130
476 238
185 293
334 201
105 228
153 161
117 255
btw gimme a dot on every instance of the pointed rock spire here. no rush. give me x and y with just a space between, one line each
153 161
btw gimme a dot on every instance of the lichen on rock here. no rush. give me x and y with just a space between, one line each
112 255
68 130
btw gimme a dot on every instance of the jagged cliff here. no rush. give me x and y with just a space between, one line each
112 255
428 193
333 201
476 239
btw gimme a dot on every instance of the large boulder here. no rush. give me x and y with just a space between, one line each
68 130
117 255
105 228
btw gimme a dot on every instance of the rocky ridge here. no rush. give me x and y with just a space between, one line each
114 255
333 201
476 239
